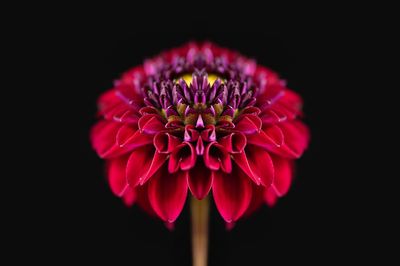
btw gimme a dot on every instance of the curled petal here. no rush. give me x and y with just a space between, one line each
232 194
234 142
216 156
200 180
167 193
165 142
183 157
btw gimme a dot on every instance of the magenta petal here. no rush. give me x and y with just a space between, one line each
234 142
249 124
139 163
129 197
150 124
156 163
130 138
183 156
296 138
270 196
165 142
270 138
211 159
167 193
116 169
103 137
188 154
241 160
200 180
283 175
261 164
232 194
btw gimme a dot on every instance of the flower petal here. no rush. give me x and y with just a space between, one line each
167 193
249 124
142 164
200 180
270 138
232 194
241 160
165 142
150 124
183 157
234 142
261 164
270 196
283 175
129 138
116 170
103 137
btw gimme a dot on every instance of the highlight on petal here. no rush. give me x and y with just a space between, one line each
167 193
232 194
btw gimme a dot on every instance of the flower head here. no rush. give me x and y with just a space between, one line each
200 118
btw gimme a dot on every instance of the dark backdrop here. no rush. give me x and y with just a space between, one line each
79 219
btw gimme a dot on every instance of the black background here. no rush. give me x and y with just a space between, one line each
321 219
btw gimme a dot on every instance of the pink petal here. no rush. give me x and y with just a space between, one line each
270 197
165 142
257 200
261 164
296 139
283 175
142 164
183 157
232 194
271 138
200 180
129 138
151 124
116 169
234 142
216 156
241 160
167 193
129 196
142 199
103 137
249 124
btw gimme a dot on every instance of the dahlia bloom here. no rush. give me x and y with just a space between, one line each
203 119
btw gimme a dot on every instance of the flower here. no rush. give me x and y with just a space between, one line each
203 119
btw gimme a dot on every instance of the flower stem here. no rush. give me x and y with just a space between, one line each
200 215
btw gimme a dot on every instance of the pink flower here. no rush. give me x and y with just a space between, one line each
203 119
